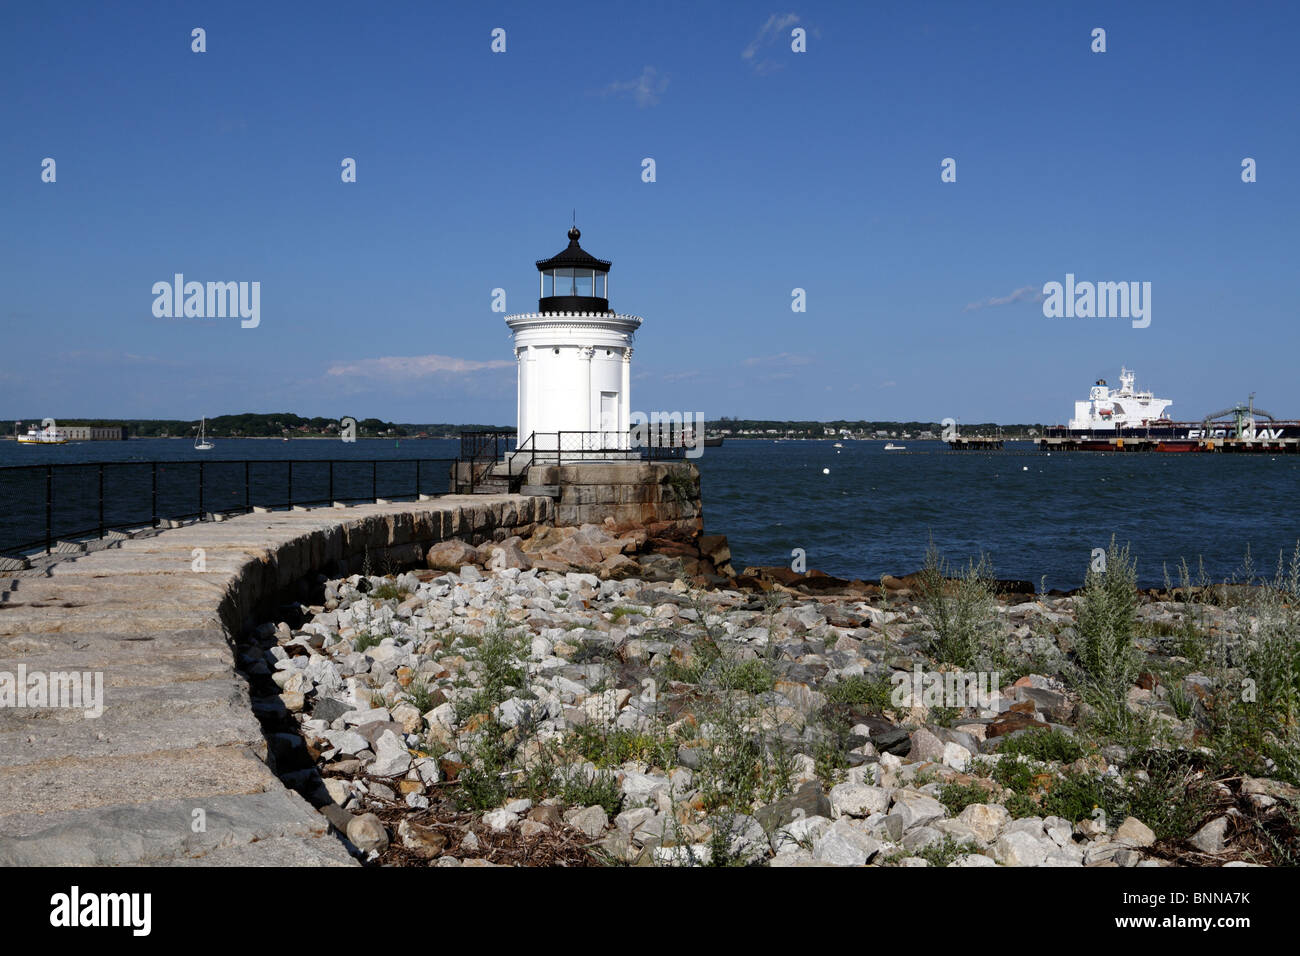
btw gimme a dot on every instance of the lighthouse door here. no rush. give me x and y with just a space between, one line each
609 420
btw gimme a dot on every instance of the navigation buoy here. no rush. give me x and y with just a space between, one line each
826 471
1024 468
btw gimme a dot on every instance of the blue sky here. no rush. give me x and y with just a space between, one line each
775 170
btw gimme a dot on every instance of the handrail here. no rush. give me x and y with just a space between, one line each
89 502
482 447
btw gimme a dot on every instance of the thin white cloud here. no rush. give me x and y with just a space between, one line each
646 89
768 34
406 367
783 358
1026 293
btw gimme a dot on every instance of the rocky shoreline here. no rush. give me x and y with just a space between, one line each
616 695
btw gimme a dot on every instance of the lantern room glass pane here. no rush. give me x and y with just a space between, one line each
564 282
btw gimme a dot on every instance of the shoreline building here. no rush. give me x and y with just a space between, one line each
575 358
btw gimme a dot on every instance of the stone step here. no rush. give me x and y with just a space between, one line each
549 491
234 829
133 720
88 781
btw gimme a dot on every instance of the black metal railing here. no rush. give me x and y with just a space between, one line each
477 446
480 452
41 505
668 441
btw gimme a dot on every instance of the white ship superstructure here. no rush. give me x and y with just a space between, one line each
1124 407
47 434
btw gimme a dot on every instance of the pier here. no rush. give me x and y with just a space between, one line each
1129 443
179 739
976 443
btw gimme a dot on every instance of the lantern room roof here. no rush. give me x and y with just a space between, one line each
574 257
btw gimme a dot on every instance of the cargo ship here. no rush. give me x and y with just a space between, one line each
1129 419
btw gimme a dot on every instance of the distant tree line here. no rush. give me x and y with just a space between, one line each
277 425
862 427
282 424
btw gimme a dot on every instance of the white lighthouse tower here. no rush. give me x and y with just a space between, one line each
575 358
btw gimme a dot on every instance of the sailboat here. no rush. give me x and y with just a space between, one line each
201 443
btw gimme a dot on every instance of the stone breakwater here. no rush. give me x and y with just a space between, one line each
175 768
503 708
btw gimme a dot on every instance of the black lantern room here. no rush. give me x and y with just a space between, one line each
574 280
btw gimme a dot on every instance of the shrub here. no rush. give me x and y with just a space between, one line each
1167 792
388 590
956 797
366 640
482 784
610 747
752 676
1045 745
859 691
1105 613
1257 709
1074 796
499 670
960 611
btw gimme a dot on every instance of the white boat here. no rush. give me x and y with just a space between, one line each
202 443
890 446
1108 409
45 435
838 445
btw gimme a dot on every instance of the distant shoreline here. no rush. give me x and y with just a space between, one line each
248 438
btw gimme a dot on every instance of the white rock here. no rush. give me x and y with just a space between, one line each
391 756
347 741
844 846
373 715
1210 838
986 819
629 820
1018 848
956 756
858 800
640 788
696 854
916 808
1135 833
590 820
428 770
500 820
799 833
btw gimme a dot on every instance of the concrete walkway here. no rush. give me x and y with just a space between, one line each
177 734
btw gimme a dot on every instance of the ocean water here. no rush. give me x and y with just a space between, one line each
1034 515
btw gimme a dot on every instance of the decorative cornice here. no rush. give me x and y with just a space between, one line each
574 315
615 321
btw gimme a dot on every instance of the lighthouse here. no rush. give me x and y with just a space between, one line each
575 358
